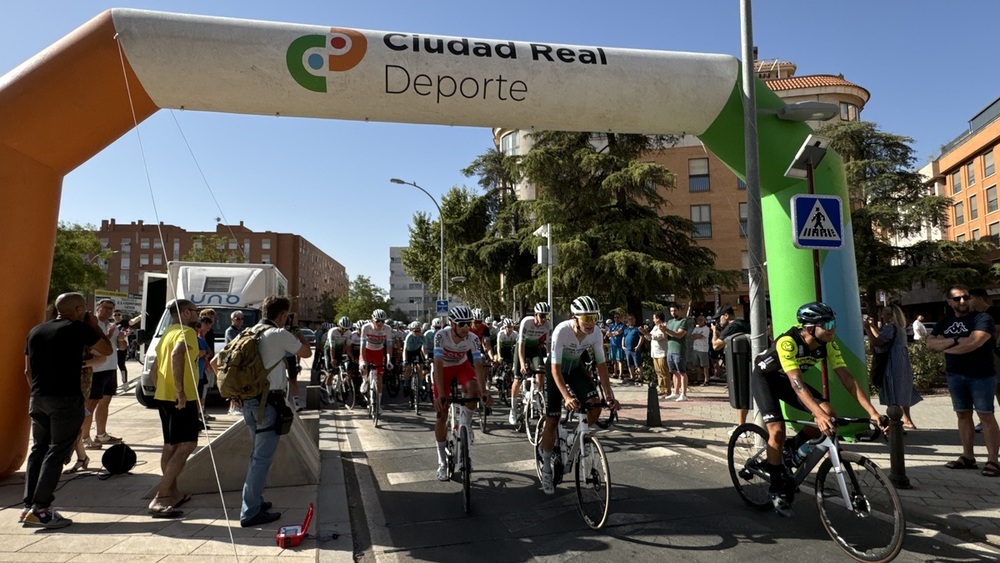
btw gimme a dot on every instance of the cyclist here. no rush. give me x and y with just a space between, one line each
413 355
531 341
777 375
506 343
482 331
336 345
568 380
456 356
376 348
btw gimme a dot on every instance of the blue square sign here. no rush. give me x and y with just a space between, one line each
817 222
442 306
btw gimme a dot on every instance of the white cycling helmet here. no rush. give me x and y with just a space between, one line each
477 314
344 322
414 325
585 305
436 323
460 314
378 315
506 323
542 308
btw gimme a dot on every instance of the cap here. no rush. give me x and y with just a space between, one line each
727 310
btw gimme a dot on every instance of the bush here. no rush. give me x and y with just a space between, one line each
928 367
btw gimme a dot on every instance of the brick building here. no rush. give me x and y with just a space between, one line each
137 247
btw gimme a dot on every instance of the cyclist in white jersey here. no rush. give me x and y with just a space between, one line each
531 341
457 355
376 346
568 379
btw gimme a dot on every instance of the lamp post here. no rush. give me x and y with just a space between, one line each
443 292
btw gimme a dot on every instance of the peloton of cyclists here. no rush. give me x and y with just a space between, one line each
457 356
531 341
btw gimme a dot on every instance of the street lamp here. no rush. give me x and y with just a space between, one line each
444 289
93 259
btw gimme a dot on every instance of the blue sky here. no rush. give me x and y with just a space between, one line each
928 65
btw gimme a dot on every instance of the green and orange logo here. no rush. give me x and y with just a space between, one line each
311 58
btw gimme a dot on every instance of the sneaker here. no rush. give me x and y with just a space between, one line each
364 387
547 486
24 512
671 397
107 439
512 419
89 444
681 398
263 517
442 472
979 428
731 430
47 518
781 504
209 418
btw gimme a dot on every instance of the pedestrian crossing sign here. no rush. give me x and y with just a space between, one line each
817 222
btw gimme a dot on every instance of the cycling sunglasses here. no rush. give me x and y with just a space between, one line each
829 325
588 318
463 324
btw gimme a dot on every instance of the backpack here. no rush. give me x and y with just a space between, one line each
241 373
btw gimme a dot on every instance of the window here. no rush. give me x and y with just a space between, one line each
126 245
959 214
973 207
177 249
144 259
745 266
988 167
995 233
956 182
960 238
217 284
196 245
265 258
701 216
126 262
991 199
698 175
740 184
849 112
104 243
265 244
157 259
970 173
975 234
743 219
232 244
144 243
124 279
510 144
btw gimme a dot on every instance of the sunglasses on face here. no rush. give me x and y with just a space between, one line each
463 324
958 298
587 318
542 316
829 325
380 322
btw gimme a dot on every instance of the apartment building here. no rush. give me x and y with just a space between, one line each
407 294
139 247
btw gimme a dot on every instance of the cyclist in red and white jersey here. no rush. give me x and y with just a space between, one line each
456 356
482 331
376 346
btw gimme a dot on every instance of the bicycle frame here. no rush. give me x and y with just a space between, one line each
823 446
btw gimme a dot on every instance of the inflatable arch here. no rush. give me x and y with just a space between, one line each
70 101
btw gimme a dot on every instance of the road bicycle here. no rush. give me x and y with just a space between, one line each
857 504
392 379
339 386
420 384
502 378
532 407
457 454
374 406
581 450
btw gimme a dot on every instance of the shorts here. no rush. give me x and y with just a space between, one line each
580 385
971 393
675 363
633 358
768 389
701 360
537 363
616 353
507 355
103 384
463 372
413 357
374 357
179 425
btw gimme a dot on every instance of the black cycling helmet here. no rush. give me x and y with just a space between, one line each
459 314
542 308
815 313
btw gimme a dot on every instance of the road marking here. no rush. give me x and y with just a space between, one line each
523 466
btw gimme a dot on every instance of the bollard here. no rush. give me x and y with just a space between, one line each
313 397
897 465
653 407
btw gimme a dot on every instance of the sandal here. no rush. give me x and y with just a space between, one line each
962 463
991 469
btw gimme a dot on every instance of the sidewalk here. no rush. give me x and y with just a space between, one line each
963 501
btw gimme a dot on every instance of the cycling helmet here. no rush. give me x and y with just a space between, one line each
436 323
506 323
378 315
459 314
489 320
360 324
477 314
815 313
584 305
414 325
424 327
344 322
542 308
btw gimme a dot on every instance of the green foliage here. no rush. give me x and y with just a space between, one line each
212 248
361 299
74 266
928 367
328 307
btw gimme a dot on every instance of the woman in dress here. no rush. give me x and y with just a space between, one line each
897 385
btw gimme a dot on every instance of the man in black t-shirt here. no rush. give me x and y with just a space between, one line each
54 358
967 338
728 324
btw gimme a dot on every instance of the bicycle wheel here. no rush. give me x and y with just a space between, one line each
391 378
533 421
481 410
348 392
538 455
747 456
416 394
373 398
593 483
871 527
466 469
449 449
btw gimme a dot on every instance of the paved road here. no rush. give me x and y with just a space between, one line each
669 501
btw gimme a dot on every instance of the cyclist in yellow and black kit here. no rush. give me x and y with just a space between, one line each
777 376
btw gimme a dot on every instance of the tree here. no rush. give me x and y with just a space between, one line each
328 307
361 299
77 249
212 248
890 204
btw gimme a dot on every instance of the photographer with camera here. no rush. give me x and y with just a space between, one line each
727 324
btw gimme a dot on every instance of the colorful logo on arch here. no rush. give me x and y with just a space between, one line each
311 58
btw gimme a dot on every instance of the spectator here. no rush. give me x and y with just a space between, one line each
235 327
124 330
176 397
919 330
275 343
632 340
728 324
677 329
103 384
981 303
967 339
615 331
204 325
658 351
700 340
54 351
897 386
